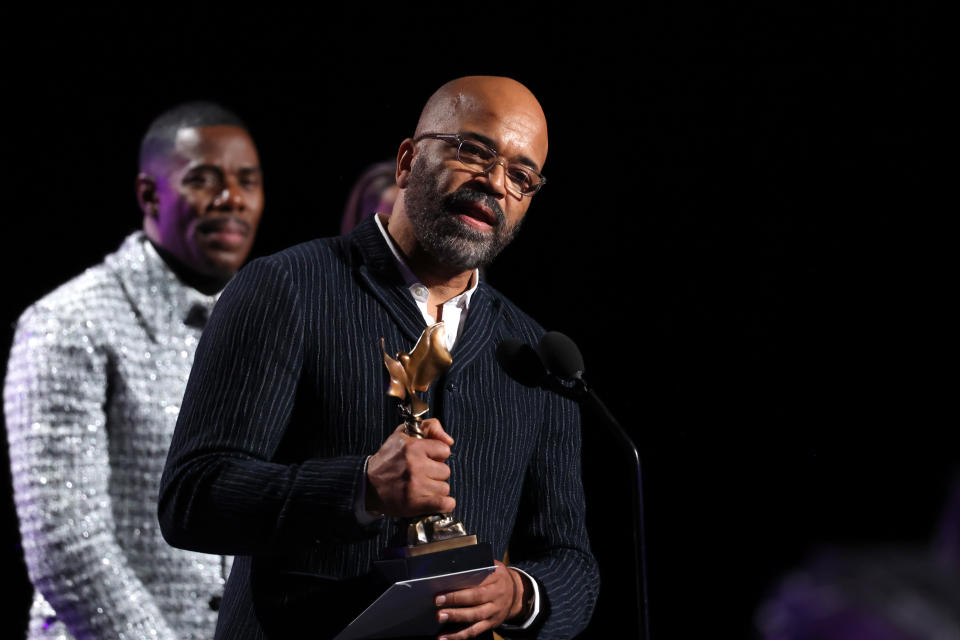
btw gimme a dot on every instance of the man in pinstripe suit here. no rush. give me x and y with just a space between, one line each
287 454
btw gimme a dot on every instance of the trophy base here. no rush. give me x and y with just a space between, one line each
432 547
400 564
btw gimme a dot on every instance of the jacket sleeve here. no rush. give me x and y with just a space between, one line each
220 491
550 540
54 399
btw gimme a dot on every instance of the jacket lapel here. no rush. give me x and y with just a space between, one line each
378 272
160 300
480 330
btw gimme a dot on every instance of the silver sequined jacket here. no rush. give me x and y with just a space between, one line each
93 389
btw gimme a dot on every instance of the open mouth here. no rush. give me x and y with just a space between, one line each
477 215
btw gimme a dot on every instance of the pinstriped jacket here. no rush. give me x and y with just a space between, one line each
285 401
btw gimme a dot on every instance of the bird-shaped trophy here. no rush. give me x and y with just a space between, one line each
431 554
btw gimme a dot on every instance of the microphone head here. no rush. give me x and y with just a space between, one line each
561 355
521 362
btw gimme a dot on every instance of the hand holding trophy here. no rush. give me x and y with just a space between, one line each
409 373
432 553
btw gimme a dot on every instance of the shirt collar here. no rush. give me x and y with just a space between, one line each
417 289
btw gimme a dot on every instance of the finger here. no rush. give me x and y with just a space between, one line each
432 504
426 488
466 615
433 449
432 469
432 428
421 503
464 598
472 631
496 586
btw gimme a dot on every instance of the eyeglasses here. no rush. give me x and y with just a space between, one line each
521 179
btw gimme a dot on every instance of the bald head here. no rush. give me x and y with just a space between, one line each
502 102
454 214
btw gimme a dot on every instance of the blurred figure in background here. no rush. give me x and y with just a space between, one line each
374 192
875 594
94 384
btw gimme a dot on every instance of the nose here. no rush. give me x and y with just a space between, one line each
499 184
230 198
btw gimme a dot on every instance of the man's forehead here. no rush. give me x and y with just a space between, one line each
213 142
501 109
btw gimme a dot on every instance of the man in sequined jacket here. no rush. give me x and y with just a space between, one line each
94 384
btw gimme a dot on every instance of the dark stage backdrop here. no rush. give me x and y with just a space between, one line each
737 232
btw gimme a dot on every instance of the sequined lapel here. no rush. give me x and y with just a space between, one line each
161 301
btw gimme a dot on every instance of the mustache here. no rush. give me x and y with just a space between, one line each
220 222
469 195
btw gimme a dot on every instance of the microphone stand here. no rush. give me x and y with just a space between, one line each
564 376
586 395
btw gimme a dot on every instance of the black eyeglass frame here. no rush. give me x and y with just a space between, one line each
497 159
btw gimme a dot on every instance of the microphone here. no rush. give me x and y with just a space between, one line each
561 355
526 365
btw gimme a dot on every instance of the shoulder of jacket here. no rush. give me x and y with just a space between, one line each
519 321
78 303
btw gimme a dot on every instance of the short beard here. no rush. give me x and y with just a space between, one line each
441 234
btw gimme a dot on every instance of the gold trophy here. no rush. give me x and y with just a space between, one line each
410 373
432 553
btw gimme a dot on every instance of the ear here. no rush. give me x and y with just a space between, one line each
404 161
147 194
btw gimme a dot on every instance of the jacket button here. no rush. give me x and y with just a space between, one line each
215 603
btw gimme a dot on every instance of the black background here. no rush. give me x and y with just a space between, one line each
740 232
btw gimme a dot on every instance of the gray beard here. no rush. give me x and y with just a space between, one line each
441 234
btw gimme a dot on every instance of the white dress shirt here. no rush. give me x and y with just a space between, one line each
453 312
